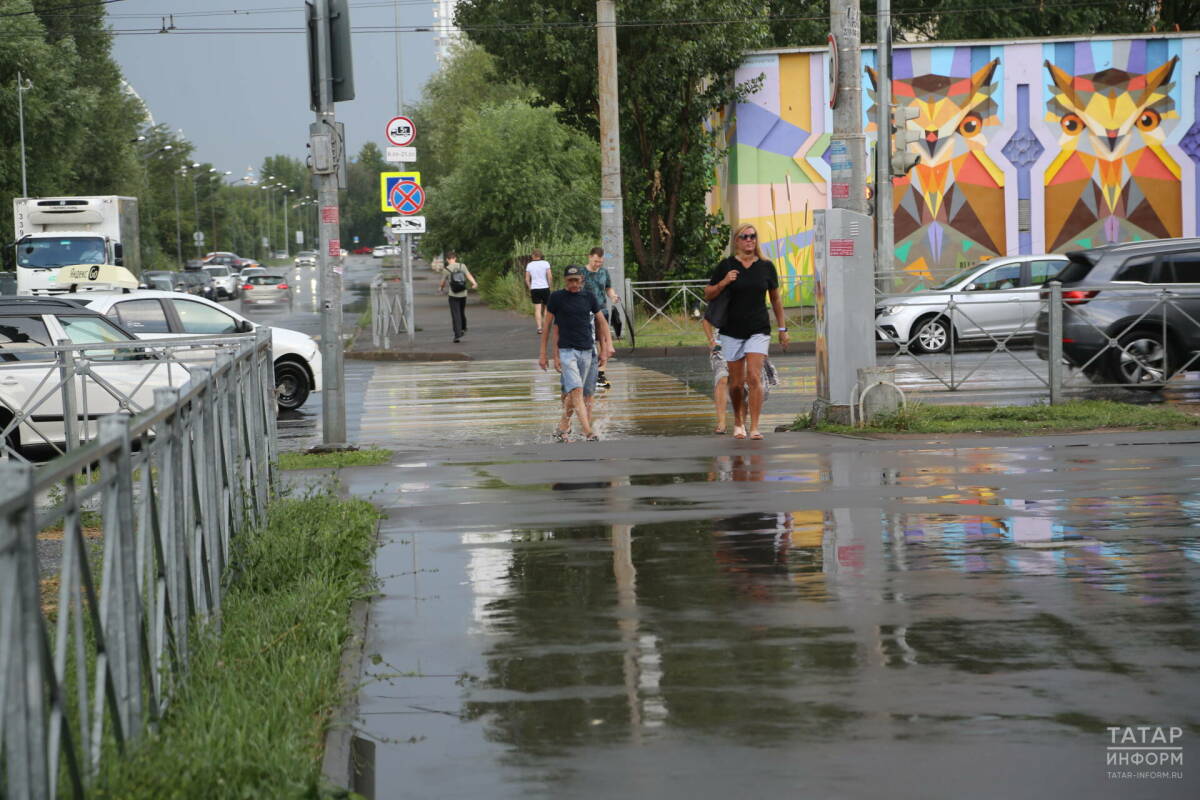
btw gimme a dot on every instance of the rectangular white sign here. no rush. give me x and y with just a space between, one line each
401 155
407 224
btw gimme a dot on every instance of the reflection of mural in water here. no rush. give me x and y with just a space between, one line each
1113 180
1115 158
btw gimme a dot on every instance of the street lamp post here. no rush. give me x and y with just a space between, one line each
23 86
286 233
178 232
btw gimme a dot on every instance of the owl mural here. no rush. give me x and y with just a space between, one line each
950 207
1113 180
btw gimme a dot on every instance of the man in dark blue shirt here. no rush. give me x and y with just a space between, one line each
574 312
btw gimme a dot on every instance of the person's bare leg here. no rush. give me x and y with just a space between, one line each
537 314
753 378
720 400
737 371
580 408
564 424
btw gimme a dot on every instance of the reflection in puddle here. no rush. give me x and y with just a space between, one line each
757 625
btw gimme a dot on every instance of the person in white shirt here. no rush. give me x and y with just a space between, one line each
539 280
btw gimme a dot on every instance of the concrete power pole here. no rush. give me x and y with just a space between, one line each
848 147
324 149
885 232
843 241
612 213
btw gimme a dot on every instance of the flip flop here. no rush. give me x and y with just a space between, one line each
719 431
756 436
560 436
741 435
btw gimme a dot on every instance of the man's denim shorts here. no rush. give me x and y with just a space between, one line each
575 366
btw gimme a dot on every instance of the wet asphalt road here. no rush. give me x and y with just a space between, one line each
810 616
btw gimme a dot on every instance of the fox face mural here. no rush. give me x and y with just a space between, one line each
952 203
1113 179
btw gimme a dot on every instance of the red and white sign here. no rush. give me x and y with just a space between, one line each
335 248
841 247
841 191
401 131
329 214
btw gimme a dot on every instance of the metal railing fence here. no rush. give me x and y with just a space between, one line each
1116 336
389 317
681 302
87 665
53 396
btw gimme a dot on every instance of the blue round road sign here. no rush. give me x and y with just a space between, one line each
407 197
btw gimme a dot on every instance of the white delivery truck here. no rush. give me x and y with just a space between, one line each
57 232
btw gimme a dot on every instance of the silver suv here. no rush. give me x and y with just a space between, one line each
995 299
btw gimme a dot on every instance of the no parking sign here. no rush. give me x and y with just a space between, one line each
401 192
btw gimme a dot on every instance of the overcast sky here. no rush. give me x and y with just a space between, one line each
240 97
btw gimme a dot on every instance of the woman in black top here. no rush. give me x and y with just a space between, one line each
746 334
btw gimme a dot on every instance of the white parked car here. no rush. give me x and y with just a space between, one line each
161 315
29 382
305 258
995 299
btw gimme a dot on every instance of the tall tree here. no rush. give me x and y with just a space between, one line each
361 215
676 59
537 182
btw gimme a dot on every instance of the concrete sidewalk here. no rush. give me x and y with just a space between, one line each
492 335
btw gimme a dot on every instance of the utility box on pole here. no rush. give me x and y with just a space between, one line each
845 300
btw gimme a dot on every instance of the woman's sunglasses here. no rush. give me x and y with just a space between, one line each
747 236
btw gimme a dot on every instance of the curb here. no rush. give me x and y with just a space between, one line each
341 763
397 355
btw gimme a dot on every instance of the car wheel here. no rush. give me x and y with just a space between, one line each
1142 362
932 335
291 386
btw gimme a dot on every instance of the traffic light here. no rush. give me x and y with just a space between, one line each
341 65
903 159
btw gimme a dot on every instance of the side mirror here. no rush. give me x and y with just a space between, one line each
970 287
245 326
118 254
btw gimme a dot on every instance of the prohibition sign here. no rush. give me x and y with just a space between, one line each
407 197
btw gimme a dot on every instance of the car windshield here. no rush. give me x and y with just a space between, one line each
59 251
962 276
220 272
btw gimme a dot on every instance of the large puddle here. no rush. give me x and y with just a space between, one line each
817 617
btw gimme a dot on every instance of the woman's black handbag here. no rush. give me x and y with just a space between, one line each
718 310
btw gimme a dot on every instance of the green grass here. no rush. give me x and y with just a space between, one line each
681 330
250 719
506 292
1082 415
347 458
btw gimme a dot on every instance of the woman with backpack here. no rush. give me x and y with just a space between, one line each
454 283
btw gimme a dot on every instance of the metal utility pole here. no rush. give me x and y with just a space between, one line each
287 247
848 146
885 230
325 149
23 86
612 213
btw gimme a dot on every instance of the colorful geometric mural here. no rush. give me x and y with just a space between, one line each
1026 147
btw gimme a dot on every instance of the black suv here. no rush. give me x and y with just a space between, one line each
1131 312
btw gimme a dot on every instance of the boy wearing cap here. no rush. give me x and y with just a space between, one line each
574 312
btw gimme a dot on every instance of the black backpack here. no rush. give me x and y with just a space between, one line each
458 281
